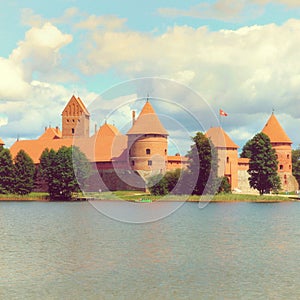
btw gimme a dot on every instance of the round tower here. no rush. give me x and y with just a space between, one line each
147 143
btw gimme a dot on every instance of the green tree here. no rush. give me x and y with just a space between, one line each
7 178
46 169
157 185
296 164
164 184
246 152
224 186
263 164
24 173
62 177
203 164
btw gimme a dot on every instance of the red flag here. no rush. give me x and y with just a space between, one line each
223 113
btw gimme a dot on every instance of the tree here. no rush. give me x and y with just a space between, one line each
296 164
203 164
6 172
246 152
164 184
224 185
59 173
263 164
157 185
24 173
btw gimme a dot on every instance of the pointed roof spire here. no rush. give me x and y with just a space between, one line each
220 138
275 132
147 122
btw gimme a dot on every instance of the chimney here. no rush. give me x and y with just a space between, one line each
56 128
45 128
133 117
95 128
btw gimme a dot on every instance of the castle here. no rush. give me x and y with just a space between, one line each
235 168
126 161
121 161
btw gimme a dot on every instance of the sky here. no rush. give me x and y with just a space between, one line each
238 55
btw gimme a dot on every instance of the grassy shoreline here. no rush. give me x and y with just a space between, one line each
135 196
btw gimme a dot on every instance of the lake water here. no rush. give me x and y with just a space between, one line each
223 251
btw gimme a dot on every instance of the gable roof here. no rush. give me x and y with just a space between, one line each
35 148
275 132
50 134
77 101
147 122
220 138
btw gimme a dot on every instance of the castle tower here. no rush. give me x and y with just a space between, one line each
227 155
75 119
283 147
147 143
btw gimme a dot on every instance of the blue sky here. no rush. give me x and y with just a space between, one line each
239 55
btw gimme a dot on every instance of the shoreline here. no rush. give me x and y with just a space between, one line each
215 199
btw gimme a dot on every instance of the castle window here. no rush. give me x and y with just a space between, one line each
227 159
288 156
281 167
73 130
132 162
68 120
149 162
148 151
73 121
165 151
290 167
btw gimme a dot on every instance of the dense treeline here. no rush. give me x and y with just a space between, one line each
63 171
16 176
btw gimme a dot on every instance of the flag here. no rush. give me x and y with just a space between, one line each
223 113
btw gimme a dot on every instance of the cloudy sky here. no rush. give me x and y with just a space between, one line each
239 55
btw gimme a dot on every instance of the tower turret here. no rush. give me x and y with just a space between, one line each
75 119
282 144
148 143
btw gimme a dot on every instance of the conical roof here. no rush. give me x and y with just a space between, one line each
275 132
147 122
220 138
1 142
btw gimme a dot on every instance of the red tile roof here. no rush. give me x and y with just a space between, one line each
106 145
147 122
51 133
275 132
34 148
220 138
243 160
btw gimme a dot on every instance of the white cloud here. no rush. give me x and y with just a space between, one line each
225 10
288 3
93 22
248 65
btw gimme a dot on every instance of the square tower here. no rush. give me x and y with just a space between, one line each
75 119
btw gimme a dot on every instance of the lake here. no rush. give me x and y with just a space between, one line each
223 251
